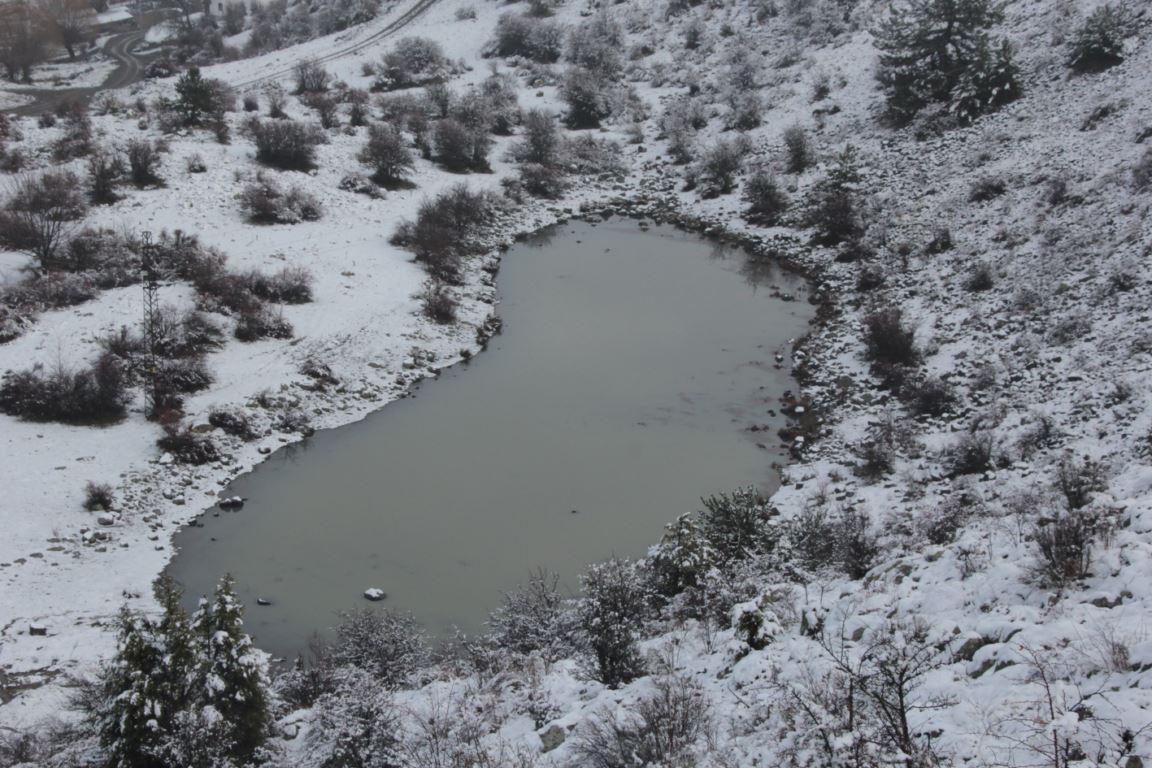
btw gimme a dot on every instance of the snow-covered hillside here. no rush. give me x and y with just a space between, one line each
992 607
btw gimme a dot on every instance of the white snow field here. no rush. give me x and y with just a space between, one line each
1051 361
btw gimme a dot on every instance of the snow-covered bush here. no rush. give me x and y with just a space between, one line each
415 61
766 201
265 202
596 45
286 144
1142 172
531 38
1099 43
76 140
611 612
311 77
448 228
327 107
188 446
92 395
668 727
389 646
531 618
543 180
973 453
928 395
1064 544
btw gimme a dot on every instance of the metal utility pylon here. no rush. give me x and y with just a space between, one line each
150 279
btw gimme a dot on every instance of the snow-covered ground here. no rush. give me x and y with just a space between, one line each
1059 342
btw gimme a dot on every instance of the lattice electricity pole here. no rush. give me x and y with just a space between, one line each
150 279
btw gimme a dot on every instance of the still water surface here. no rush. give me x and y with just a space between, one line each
630 367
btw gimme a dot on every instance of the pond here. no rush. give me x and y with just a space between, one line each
637 372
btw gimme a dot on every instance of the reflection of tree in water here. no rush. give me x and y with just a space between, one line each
292 452
760 269
544 237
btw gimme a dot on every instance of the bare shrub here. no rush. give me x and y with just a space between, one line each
286 144
460 147
541 139
40 213
973 453
327 108
437 302
262 323
98 496
311 77
105 171
233 421
588 97
531 38
663 730
290 285
1064 543
1079 480
887 340
448 228
980 278
543 181
987 188
766 201
93 395
930 396
387 154
719 167
144 163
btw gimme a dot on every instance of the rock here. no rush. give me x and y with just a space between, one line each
106 520
551 738
263 601
37 630
374 594
232 502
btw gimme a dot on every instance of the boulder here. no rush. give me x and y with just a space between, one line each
374 594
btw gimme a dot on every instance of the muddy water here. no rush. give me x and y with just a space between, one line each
631 365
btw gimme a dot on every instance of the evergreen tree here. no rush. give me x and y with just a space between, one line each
133 697
231 678
682 558
196 96
928 47
1099 43
835 207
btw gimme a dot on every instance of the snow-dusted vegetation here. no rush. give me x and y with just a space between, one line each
955 569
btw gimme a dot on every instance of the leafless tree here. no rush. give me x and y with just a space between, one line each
40 213
23 40
70 21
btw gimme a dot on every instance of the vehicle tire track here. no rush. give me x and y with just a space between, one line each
399 23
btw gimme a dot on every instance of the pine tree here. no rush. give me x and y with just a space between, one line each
130 721
1099 43
927 47
231 681
682 558
196 96
835 207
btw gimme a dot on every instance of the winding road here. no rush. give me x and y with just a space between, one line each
129 69
130 65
